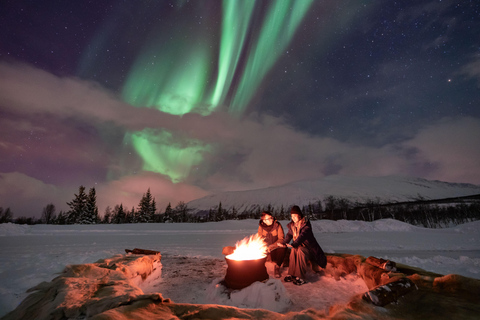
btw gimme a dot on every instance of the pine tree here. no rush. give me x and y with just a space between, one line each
153 210
77 206
130 216
167 217
90 215
218 213
107 216
144 213
310 211
118 214
319 209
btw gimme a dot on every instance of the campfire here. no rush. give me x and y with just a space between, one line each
247 263
250 248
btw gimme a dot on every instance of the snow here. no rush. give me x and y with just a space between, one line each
271 295
193 266
385 189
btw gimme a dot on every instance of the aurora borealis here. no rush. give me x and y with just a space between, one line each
196 73
193 97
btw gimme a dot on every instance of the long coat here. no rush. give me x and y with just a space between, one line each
307 239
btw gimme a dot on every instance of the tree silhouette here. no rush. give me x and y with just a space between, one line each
77 206
168 215
146 208
5 215
90 216
48 213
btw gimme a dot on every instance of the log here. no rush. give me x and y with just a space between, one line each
390 292
142 251
382 263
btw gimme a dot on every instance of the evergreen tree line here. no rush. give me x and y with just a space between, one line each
421 212
430 214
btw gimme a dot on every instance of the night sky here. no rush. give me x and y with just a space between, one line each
193 97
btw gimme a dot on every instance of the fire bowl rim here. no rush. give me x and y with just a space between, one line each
264 257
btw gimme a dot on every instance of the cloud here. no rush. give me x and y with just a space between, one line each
60 133
435 9
27 196
29 92
450 146
129 190
265 151
472 69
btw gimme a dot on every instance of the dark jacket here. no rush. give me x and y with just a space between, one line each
307 239
271 234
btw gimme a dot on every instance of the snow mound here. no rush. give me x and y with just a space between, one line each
471 227
83 291
270 295
330 226
10 229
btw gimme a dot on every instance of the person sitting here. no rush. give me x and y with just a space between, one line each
304 247
272 232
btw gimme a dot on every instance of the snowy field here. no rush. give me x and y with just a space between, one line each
192 263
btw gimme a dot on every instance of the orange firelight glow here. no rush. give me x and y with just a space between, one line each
250 248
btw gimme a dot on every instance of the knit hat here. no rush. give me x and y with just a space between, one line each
296 210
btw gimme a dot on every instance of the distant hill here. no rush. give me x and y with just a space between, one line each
385 189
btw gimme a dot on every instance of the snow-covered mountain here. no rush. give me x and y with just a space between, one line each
385 189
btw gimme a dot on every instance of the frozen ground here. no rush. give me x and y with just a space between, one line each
192 263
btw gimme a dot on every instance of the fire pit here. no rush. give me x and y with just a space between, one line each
247 263
242 273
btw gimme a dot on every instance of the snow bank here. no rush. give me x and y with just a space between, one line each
83 291
471 227
236 226
32 254
107 290
10 229
270 295
330 226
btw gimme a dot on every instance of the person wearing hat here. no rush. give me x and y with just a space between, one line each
304 247
272 232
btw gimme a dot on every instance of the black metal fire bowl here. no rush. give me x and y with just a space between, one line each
242 273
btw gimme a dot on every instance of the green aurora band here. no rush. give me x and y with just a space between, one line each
177 77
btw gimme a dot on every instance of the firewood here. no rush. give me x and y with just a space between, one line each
382 263
390 292
142 251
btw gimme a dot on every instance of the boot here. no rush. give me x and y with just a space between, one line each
277 271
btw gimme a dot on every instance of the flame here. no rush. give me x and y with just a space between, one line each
250 248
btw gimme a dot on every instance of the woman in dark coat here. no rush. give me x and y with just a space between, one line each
272 232
304 247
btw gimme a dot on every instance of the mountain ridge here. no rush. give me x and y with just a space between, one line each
353 188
